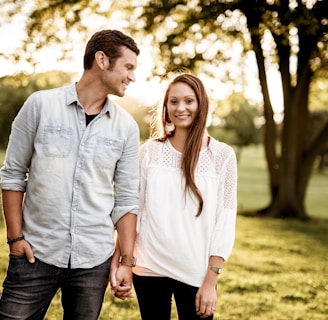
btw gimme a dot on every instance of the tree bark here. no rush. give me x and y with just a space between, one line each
286 200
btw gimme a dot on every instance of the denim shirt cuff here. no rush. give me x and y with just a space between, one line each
119 212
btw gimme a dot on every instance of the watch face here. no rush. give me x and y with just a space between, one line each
128 261
215 269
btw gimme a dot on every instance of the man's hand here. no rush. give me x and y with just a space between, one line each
22 247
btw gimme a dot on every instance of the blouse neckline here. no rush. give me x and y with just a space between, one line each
179 152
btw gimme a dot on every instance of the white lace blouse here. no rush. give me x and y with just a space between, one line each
171 241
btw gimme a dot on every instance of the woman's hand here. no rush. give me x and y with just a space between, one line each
206 299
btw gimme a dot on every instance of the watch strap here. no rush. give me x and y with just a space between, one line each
216 270
128 261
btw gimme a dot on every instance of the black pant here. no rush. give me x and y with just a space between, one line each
30 287
155 298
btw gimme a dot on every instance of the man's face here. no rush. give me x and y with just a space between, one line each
118 76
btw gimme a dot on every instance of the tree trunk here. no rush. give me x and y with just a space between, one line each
269 134
288 176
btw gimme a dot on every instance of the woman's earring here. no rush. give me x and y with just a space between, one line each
169 127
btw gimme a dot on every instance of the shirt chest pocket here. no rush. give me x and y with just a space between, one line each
107 152
57 141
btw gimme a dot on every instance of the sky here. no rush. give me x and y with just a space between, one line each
11 34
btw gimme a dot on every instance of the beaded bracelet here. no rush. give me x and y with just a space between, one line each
15 240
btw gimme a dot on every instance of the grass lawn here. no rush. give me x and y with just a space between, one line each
253 185
278 269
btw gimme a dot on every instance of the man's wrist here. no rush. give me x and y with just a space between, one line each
10 241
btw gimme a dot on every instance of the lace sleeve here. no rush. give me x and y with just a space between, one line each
224 233
230 182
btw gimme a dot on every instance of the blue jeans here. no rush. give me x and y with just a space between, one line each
154 296
30 287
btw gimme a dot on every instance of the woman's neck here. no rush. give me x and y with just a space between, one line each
178 141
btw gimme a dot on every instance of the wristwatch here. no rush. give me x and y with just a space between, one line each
128 261
217 270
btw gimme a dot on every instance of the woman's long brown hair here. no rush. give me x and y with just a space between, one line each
194 140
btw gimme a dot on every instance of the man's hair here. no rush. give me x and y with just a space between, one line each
111 43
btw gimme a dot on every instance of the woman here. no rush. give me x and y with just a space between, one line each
186 226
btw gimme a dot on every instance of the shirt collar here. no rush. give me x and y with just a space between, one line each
71 94
72 99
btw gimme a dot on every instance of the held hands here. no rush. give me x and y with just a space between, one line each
121 281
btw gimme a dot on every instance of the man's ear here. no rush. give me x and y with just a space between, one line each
101 60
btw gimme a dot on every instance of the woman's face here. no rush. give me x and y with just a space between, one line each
182 105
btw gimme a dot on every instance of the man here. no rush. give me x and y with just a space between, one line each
70 178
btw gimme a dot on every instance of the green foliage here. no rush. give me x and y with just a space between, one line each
236 122
15 89
187 33
191 33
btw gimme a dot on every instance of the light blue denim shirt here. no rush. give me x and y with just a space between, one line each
78 180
